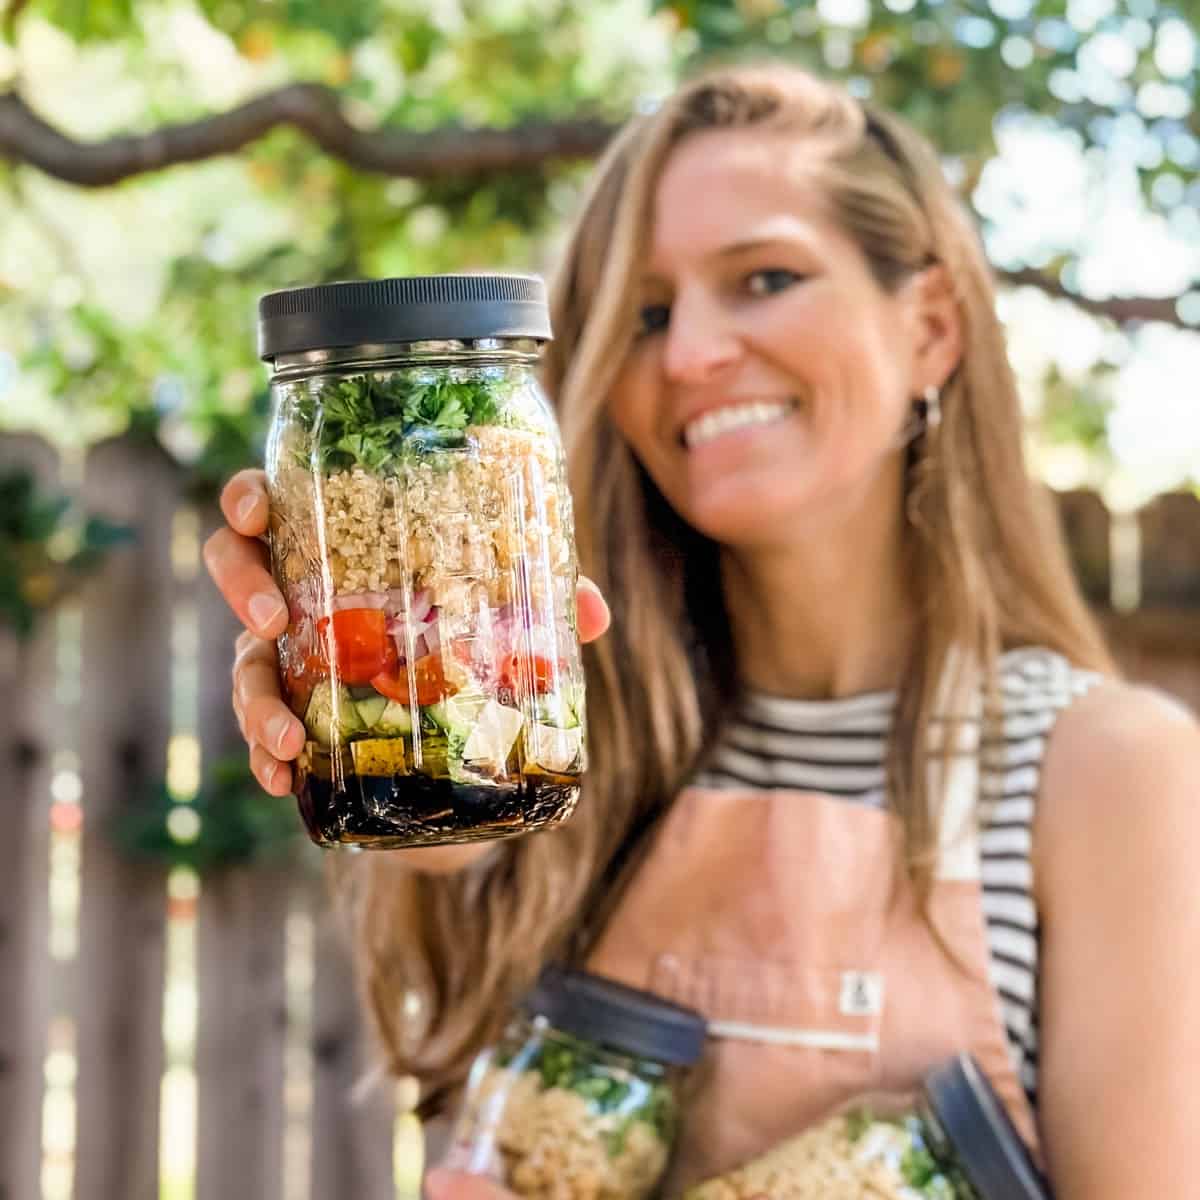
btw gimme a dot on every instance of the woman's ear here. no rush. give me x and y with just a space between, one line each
938 328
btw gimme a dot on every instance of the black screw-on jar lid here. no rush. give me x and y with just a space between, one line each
417 308
986 1144
601 1010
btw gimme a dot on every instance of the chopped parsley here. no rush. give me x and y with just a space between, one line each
921 1168
376 420
563 1062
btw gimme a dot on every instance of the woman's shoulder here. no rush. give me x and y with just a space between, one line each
1122 764
1122 726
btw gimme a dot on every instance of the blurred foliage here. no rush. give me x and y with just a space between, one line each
228 824
160 333
1075 413
45 550
951 67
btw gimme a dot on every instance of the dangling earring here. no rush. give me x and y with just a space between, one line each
929 408
923 420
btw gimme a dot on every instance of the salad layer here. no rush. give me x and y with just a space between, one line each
422 537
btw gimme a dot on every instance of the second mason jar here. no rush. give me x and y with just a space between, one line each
580 1098
421 533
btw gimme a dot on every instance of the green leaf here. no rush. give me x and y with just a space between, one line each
238 825
44 548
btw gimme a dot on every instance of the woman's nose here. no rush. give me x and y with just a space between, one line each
700 342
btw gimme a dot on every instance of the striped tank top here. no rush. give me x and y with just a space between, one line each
838 748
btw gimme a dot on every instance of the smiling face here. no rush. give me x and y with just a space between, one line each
772 377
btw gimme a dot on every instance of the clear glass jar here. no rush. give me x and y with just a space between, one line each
580 1098
953 1140
421 532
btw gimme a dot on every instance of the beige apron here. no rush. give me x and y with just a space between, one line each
782 917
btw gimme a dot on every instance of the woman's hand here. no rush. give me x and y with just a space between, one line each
236 558
456 1185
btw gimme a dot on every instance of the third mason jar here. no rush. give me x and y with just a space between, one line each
421 533
951 1140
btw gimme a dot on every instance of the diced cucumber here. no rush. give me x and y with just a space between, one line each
563 709
576 702
330 711
371 709
433 756
395 718
555 709
457 713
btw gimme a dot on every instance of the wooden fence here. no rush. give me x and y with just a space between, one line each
91 705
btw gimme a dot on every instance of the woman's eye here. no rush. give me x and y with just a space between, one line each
653 318
767 283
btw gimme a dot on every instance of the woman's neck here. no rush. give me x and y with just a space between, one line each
824 616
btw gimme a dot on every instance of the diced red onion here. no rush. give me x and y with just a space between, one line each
392 600
422 602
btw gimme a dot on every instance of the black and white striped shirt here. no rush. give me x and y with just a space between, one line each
839 747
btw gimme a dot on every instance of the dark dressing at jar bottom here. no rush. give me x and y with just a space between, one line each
387 812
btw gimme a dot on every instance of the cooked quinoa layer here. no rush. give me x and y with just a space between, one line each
555 1148
823 1163
451 521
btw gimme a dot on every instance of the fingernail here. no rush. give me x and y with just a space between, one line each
277 730
245 507
264 608
272 772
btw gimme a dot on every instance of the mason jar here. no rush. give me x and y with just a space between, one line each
579 1100
421 533
952 1140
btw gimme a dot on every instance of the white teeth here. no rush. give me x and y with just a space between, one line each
723 420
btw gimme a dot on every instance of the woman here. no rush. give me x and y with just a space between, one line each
864 784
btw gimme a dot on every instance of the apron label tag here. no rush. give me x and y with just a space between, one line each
862 994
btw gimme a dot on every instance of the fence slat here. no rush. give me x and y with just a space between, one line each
352 1135
241 1033
1170 533
240 973
27 677
1086 523
125 722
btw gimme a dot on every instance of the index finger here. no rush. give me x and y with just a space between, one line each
245 503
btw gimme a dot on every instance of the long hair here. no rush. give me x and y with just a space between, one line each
443 957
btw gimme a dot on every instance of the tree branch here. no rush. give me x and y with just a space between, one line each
1117 308
10 19
310 107
316 110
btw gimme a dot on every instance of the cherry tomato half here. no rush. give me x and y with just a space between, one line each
362 644
435 678
536 674
433 682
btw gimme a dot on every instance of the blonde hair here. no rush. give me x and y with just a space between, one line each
443 958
